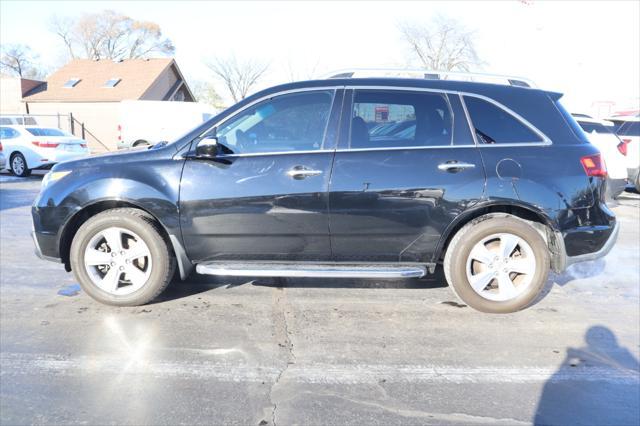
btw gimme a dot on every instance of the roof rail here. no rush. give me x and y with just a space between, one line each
430 75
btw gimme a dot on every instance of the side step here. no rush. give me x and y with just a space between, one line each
312 269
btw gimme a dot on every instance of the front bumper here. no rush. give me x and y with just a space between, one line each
49 241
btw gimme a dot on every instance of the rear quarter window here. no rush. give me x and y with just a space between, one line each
494 125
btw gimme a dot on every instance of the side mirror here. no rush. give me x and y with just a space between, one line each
207 147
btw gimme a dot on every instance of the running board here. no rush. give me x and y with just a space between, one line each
309 269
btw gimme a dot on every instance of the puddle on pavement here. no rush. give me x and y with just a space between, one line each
70 290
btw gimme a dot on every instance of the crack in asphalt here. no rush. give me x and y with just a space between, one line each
282 334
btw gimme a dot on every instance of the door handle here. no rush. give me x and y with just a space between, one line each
454 166
300 172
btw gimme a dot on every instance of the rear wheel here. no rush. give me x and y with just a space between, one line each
497 264
120 258
19 165
140 143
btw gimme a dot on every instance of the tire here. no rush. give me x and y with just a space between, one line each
140 143
531 254
18 165
130 226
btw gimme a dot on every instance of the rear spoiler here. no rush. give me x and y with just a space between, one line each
555 96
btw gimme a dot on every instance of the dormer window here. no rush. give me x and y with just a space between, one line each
71 83
112 82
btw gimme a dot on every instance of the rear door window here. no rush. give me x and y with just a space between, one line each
494 125
394 119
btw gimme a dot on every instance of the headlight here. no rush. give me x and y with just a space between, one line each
53 176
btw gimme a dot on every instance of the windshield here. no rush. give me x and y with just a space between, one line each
629 128
42 131
594 127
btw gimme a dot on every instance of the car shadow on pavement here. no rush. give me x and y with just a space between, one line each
598 384
196 284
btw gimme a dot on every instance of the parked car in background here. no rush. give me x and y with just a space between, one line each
20 120
600 134
3 159
149 122
495 183
629 133
33 147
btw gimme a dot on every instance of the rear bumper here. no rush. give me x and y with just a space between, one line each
603 237
603 251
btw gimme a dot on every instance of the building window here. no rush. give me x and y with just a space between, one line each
72 82
113 82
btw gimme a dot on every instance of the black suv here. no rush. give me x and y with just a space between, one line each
348 177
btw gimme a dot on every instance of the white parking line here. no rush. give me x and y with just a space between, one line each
27 363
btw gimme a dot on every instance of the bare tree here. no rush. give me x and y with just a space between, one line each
110 35
297 70
238 76
205 92
441 45
19 60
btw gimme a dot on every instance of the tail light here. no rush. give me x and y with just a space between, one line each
84 145
45 144
0 146
594 165
622 146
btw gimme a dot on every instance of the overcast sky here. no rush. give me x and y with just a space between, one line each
588 50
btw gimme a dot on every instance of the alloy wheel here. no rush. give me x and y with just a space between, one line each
118 261
17 165
500 267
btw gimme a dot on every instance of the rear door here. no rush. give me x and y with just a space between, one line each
405 168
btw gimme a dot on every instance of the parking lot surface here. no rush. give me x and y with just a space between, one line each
315 351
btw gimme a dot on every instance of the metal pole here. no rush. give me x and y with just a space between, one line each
83 132
72 124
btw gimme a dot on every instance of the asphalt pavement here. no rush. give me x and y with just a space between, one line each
315 351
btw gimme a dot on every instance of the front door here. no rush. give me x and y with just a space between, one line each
406 166
267 198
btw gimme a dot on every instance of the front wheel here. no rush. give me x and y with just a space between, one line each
120 258
497 264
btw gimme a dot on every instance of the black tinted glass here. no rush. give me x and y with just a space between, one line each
495 125
386 119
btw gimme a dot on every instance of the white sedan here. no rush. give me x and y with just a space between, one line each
36 147
601 135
